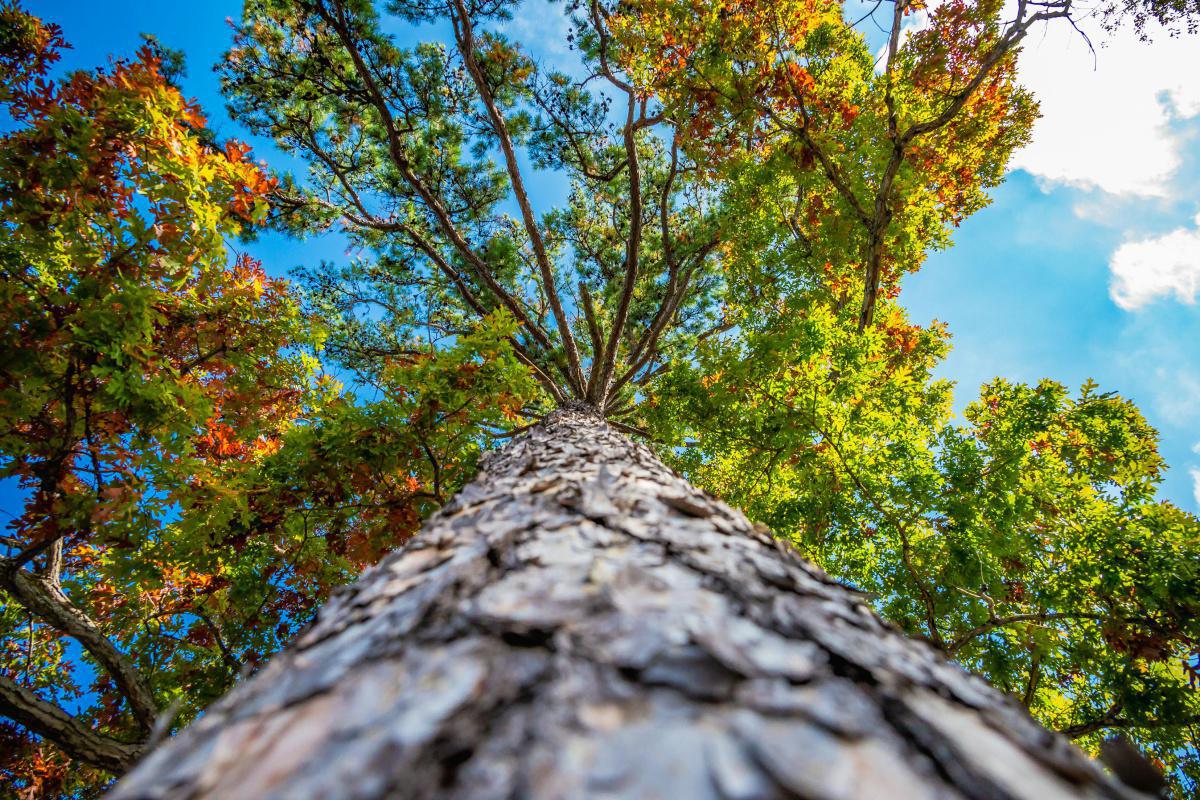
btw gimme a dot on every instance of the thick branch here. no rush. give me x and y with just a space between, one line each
1011 38
518 349
646 347
46 602
633 248
1111 720
882 214
596 335
650 336
1121 723
51 722
881 218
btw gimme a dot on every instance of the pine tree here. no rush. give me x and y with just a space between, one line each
581 622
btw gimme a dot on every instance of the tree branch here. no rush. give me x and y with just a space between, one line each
518 349
51 722
1000 622
880 220
596 334
935 635
404 167
646 347
465 35
49 604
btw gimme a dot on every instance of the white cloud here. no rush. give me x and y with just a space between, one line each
1147 269
544 28
1106 118
1177 395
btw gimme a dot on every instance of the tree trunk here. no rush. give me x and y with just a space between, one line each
581 622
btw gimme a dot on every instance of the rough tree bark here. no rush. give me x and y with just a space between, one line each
581 622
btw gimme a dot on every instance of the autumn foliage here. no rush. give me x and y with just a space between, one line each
135 359
878 163
192 487
204 451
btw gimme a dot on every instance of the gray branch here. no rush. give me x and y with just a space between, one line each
51 722
47 602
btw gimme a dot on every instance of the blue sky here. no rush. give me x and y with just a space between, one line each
1086 265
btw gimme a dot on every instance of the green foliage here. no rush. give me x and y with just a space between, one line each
1027 541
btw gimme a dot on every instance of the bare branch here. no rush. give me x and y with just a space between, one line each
1000 622
1111 720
